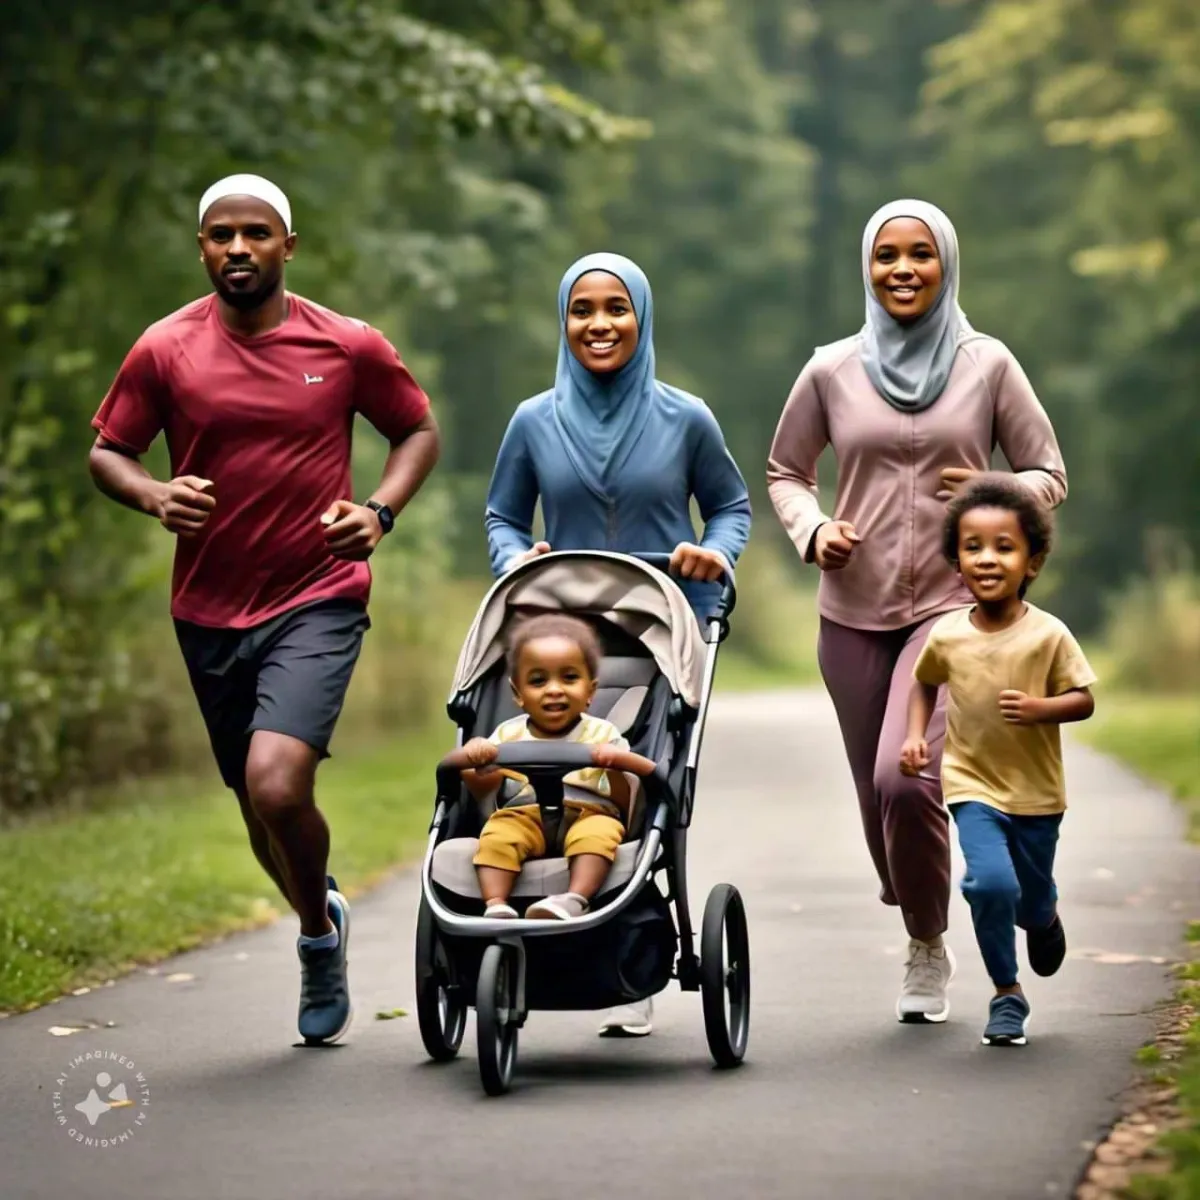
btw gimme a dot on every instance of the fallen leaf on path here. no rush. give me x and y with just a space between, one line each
390 1014
1111 958
78 1027
180 977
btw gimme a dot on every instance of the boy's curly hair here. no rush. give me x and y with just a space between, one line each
998 490
560 625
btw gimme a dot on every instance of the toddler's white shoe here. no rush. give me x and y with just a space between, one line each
557 908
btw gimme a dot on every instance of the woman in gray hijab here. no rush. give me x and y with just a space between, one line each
913 405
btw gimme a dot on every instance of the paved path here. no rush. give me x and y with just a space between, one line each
835 1101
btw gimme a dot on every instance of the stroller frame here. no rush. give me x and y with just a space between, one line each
720 971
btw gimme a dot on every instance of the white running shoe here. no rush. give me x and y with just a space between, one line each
558 908
927 976
629 1021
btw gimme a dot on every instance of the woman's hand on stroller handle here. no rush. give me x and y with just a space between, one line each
690 561
668 563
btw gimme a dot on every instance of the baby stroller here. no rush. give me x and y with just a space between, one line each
655 681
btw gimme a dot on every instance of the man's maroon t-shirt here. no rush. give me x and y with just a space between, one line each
268 419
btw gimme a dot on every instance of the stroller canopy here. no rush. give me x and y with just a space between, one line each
639 599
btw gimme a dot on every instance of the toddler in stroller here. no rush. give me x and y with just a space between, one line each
552 666
629 937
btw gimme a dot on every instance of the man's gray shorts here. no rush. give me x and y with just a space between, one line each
288 675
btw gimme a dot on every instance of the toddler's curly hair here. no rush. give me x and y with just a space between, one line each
998 490
560 625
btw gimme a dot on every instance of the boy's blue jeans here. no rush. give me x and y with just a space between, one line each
1009 879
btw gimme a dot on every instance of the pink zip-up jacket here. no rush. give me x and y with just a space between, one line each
889 465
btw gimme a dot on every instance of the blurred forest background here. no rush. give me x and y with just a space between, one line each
447 159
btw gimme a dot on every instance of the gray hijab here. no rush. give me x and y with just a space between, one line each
909 364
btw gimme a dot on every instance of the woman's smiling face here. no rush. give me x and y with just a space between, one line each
906 269
602 327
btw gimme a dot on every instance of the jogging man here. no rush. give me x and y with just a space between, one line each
255 389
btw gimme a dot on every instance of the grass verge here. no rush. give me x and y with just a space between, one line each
164 866
1159 737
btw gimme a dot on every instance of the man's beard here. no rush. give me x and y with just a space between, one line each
247 301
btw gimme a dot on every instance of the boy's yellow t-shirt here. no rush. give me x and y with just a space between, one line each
1015 768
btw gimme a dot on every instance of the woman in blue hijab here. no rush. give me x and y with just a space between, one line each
616 457
614 454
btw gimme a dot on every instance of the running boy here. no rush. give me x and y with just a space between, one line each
552 662
1014 674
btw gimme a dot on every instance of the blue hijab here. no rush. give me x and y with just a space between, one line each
601 417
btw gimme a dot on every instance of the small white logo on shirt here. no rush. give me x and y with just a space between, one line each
313 378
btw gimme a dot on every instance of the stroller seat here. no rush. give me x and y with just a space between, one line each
622 697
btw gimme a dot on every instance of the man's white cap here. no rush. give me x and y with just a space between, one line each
248 185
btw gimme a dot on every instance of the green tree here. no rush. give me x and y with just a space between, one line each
1070 136
113 128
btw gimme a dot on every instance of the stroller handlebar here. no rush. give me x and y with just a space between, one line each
728 582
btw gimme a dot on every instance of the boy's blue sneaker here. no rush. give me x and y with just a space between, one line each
325 1011
1046 947
1007 1018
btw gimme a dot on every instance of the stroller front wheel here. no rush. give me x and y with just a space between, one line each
496 1018
725 975
441 1012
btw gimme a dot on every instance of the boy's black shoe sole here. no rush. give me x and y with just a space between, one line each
1047 947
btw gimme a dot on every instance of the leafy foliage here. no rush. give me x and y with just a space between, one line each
116 128
447 159
1069 131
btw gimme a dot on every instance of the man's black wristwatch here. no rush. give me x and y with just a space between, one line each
386 518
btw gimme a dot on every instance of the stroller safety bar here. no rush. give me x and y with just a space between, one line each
545 764
485 927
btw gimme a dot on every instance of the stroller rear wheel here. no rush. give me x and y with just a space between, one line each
496 1018
441 1011
725 975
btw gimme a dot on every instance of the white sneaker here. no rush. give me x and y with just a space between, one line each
558 908
629 1021
927 976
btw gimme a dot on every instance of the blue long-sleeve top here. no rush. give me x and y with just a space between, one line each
681 454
